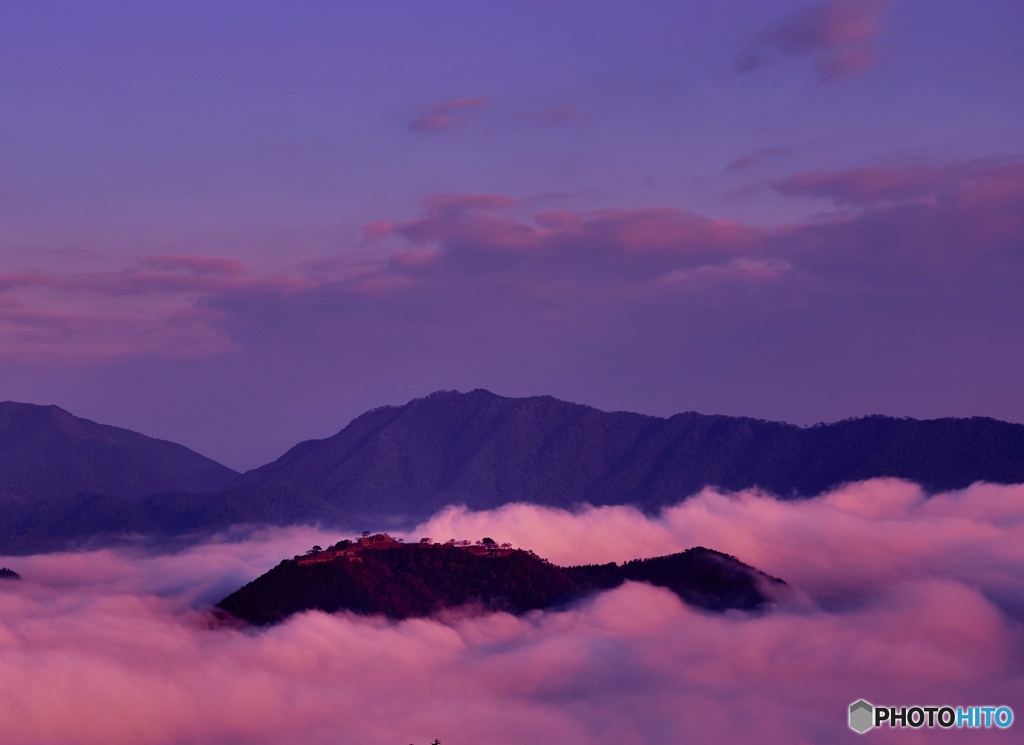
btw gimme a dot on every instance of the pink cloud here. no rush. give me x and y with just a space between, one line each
487 263
958 218
377 229
971 181
875 520
838 35
446 114
663 229
474 261
898 599
558 240
155 305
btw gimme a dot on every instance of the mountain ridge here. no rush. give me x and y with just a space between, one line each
485 450
396 465
47 452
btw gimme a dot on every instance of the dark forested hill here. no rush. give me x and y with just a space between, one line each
485 450
376 575
45 452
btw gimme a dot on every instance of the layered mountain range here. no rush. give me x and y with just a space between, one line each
65 479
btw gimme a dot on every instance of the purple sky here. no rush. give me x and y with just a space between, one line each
238 229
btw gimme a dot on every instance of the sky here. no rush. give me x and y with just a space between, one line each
911 600
239 226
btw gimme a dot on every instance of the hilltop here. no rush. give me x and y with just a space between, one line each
377 574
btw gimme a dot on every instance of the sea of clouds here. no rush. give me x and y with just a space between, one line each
898 598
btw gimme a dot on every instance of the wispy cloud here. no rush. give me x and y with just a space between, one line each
154 305
446 114
970 181
837 35
477 233
959 220
754 158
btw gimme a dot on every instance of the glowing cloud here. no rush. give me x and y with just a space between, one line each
900 598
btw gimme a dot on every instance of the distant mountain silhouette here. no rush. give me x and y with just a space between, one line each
377 575
47 453
395 465
6 573
484 450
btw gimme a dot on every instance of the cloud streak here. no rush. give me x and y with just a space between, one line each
154 305
901 598
755 158
479 233
971 181
446 114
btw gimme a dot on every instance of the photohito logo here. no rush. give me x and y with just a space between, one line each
865 716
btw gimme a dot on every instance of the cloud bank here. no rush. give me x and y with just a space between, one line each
939 231
900 599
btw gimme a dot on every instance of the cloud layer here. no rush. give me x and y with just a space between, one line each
939 231
900 599
153 305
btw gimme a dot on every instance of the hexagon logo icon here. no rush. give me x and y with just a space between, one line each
862 716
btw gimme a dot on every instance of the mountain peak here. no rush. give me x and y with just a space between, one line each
47 452
484 450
